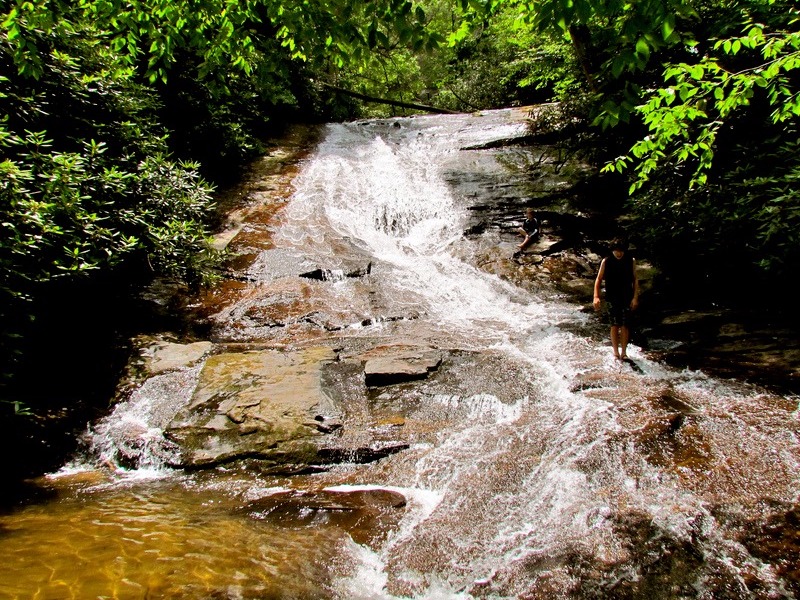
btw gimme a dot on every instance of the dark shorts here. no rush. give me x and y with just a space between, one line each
619 313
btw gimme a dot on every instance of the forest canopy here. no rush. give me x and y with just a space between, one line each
119 119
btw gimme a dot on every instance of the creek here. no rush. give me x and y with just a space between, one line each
529 463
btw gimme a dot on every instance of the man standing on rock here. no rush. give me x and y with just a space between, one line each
530 229
622 293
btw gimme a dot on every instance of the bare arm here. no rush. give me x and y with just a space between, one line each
635 299
597 282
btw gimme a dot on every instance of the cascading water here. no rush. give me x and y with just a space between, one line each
558 490
390 199
132 434
538 468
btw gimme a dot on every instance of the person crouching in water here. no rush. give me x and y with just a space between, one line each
530 229
622 293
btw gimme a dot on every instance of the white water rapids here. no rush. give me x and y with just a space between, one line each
538 466
385 192
535 490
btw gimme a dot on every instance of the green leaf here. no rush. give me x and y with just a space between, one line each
617 66
643 48
668 28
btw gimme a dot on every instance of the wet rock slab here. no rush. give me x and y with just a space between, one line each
254 404
329 500
389 365
166 356
290 309
270 407
366 514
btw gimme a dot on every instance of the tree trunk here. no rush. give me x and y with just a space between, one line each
580 37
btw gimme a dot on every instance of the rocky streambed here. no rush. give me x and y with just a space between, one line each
287 360
377 401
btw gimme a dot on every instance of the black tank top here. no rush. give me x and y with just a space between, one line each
619 278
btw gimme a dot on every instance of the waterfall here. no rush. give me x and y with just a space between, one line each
559 484
383 189
131 436
537 466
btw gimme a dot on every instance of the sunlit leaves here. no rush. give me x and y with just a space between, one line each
77 148
668 28
225 34
641 28
614 41
684 118
68 212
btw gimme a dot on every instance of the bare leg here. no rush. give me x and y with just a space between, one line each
624 334
525 243
615 340
519 249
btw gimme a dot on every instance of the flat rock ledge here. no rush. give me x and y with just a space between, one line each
165 356
259 404
270 406
388 365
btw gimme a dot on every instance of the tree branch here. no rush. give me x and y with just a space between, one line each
398 103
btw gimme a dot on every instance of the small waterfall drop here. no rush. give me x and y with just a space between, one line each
131 437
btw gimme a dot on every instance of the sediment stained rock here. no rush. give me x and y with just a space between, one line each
254 404
366 514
